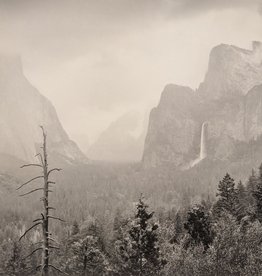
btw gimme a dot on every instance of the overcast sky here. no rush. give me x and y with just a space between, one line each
97 59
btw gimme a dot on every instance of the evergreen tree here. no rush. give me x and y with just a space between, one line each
207 203
198 226
251 187
241 201
179 227
118 225
85 255
252 181
139 250
75 228
227 194
257 193
16 265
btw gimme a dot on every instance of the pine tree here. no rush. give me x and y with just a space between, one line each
16 265
227 194
257 193
140 248
75 228
252 181
85 255
178 228
251 187
241 201
198 226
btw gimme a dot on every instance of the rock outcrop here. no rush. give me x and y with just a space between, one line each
172 127
232 71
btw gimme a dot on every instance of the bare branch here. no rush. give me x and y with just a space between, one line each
29 229
51 182
39 248
51 208
54 247
41 158
35 243
35 190
43 130
33 165
32 270
57 269
39 266
52 170
51 217
51 239
35 220
37 177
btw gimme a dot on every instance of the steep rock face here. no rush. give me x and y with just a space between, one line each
253 113
229 100
22 110
172 127
232 71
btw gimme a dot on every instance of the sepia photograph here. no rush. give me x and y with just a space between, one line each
131 137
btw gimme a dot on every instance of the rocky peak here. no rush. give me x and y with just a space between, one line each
171 127
176 96
232 71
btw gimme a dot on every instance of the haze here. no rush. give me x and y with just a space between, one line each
97 60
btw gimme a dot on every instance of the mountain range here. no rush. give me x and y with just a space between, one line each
193 137
220 122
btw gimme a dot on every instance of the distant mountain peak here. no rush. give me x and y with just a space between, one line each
22 110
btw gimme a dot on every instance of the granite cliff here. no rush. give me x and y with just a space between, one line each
228 101
22 110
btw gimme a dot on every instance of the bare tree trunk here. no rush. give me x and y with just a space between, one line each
45 216
45 252
85 263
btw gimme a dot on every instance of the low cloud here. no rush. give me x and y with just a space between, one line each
104 57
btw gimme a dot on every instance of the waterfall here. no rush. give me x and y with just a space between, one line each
203 147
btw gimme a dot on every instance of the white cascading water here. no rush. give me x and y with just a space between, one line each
203 148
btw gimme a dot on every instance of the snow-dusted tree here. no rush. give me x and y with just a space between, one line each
47 242
85 255
16 265
198 225
227 197
138 251
257 193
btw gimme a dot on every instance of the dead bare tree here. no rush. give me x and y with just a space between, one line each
47 242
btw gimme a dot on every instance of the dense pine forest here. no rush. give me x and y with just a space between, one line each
218 236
